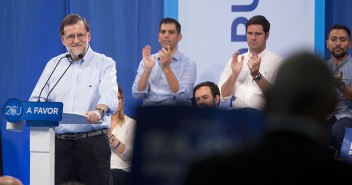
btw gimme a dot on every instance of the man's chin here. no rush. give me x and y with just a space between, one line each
164 46
339 55
76 53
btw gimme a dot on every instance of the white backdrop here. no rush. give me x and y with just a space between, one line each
206 30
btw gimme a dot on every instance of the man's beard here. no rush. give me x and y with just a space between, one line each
339 55
76 53
213 104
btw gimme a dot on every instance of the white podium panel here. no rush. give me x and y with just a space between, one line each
42 156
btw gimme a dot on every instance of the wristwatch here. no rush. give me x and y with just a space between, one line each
257 77
341 85
101 111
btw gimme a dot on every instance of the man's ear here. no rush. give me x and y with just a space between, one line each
179 37
267 35
63 40
217 99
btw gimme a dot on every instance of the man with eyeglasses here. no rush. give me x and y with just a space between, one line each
85 82
167 77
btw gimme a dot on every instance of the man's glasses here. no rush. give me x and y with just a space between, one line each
80 36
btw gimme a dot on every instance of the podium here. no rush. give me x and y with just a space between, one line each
42 155
42 117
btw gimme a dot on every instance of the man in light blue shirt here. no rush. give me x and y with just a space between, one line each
340 65
85 82
167 77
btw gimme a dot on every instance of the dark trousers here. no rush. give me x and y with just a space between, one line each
120 177
85 160
338 131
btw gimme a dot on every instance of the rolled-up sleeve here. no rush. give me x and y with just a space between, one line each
108 86
135 91
226 73
186 82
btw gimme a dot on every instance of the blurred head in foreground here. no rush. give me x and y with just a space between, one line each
9 180
303 87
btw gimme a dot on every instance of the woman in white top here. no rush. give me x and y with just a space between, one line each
121 135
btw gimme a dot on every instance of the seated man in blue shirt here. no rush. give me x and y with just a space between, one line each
340 65
168 76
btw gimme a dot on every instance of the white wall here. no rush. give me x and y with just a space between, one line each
206 30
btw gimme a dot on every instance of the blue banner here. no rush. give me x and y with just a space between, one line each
43 113
346 149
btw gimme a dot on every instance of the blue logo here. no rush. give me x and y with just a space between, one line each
241 21
35 113
12 110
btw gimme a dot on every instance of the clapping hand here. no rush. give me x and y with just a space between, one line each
165 57
254 65
148 61
236 65
338 78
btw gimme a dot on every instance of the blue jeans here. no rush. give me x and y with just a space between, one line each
338 131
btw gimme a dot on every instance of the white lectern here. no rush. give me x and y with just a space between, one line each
42 117
42 156
42 153
42 149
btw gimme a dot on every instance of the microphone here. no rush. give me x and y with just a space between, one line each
78 57
66 56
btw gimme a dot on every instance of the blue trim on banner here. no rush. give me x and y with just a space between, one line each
319 28
171 9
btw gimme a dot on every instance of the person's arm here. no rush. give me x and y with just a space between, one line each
166 59
96 115
135 91
108 100
187 79
148 66
143 81
345 89
262 83
124 150
116 145
227 88
254 65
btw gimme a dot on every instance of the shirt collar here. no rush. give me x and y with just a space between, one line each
260 54
348 58
176 55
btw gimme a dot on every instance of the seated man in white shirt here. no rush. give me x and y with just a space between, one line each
245 85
